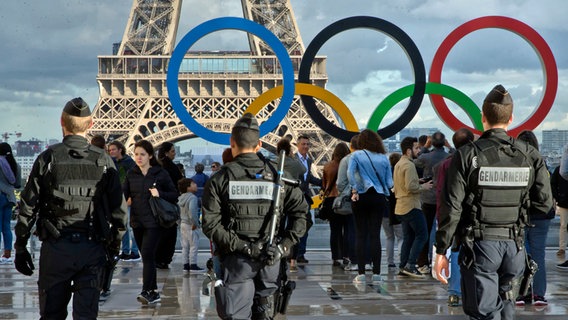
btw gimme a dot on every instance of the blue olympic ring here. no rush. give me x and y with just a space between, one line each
222 24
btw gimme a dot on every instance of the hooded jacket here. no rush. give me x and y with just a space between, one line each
188 203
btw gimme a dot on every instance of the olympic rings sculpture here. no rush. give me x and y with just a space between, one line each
434 88
239 24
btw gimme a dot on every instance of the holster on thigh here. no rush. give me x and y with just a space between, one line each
262 307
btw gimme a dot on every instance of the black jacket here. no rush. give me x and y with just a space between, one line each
310 179
173 170
559 188
216 211
456 188
36 189
136 186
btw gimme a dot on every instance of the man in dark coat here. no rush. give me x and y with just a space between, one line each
485 203
74 193
237 213
307 178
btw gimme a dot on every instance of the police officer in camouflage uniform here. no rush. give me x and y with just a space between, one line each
237 209
74 193
489 188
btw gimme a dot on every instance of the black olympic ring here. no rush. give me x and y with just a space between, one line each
400 37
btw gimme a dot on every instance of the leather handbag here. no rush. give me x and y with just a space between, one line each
166 213
342 205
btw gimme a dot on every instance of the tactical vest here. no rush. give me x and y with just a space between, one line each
501 178
72 177
250 201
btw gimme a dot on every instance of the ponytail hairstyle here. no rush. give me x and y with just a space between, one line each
164 148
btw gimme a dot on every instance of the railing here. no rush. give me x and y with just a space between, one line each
112 66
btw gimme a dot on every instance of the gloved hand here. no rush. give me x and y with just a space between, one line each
24 262
112 253
113 249
253 249
275 253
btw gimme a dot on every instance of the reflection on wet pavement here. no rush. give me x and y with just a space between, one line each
322 291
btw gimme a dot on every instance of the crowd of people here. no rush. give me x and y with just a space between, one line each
423 196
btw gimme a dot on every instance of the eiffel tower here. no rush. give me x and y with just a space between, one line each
134 103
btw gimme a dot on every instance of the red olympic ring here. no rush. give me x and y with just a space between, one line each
521 29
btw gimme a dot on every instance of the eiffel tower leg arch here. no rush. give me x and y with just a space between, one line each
215 87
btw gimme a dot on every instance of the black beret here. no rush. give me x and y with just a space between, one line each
247 121
77 107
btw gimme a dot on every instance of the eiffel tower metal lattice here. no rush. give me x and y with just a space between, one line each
134 102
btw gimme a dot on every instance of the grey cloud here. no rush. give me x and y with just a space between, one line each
51 47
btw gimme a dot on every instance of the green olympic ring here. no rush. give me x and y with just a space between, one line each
461 99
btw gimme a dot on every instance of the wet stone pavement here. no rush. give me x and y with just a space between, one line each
323 292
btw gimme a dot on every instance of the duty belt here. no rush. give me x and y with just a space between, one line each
75 237
494 233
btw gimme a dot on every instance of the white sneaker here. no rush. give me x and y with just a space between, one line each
377 278
360 279
4 260
350 267
425 270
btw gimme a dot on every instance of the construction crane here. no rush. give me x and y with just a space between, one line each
7 135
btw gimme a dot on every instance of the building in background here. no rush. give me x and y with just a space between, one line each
392 144
26 151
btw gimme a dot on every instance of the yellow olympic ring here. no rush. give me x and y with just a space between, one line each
309 90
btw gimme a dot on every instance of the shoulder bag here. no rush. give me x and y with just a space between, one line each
166 213
342 204
325 209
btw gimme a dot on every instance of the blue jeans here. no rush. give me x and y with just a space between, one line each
302 245
128 242
392 233
454 287
415 234
299 250
535 242
5 217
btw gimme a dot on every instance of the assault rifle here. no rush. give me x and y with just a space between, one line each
279 183
105 232
285 286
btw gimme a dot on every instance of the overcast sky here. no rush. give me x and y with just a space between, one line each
50 48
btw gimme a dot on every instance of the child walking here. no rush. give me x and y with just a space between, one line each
188 204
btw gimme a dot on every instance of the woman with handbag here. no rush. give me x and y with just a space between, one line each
147 179
344 190
167 245
10 180
369 196
329 185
